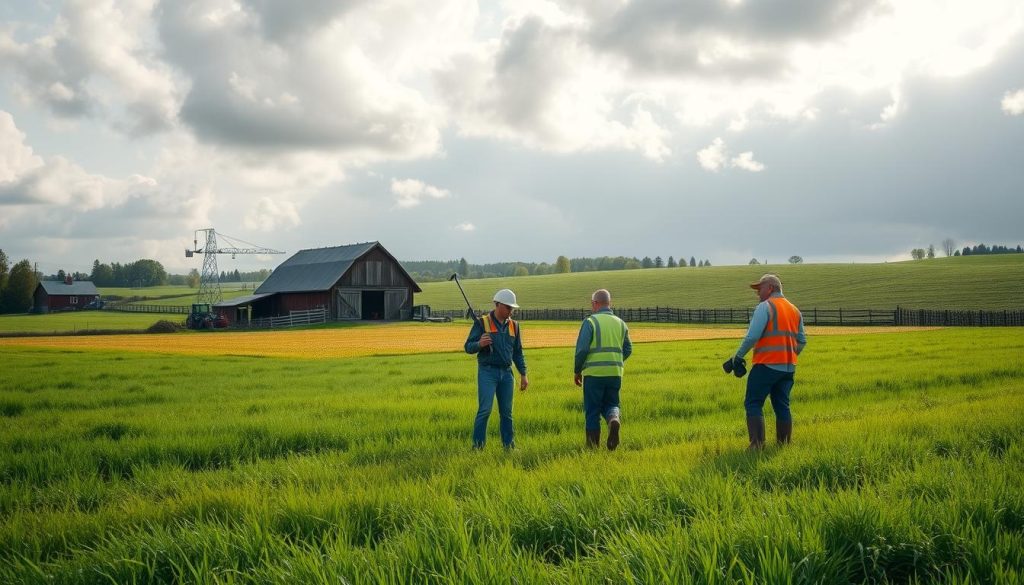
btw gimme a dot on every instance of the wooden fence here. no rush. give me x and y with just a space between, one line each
293 318
133 308
844 317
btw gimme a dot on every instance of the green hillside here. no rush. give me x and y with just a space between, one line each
973 282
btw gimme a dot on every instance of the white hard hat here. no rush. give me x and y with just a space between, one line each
506 297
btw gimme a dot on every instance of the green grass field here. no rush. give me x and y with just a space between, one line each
974 282
906 466
80 320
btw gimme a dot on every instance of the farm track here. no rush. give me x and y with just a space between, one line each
378 340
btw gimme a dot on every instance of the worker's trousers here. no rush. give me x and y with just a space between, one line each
600 398
765 382
491 382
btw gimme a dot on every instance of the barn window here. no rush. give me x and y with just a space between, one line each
74 300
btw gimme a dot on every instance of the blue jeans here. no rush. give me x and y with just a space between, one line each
491 382
764 382
600 398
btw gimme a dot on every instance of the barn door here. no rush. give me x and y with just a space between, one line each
393 301
350 304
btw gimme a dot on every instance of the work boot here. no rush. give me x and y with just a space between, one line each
755 430
594 439
783 432
613 433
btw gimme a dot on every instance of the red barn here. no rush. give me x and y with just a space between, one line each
358 281
66 295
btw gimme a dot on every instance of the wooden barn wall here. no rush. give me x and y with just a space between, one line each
285 302
375 270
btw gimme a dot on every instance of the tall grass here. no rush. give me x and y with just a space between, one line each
905 467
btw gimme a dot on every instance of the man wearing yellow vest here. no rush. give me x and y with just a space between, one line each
777 335
602 348
497 342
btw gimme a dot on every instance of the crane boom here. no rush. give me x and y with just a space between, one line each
209 281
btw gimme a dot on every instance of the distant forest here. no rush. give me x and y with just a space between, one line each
434 270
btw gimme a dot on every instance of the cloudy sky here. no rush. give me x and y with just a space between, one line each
848 130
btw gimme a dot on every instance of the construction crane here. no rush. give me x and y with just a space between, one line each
209 280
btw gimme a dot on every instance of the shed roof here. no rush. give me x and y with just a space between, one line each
239 301
318 269
77 287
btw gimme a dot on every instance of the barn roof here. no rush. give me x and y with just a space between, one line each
77 287
318 269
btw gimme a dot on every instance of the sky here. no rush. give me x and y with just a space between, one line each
839 131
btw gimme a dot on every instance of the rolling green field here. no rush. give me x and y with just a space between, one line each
906 466
973 282
80 320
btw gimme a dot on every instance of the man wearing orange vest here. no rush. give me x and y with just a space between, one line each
498 343
777 335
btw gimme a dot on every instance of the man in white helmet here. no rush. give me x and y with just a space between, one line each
497 342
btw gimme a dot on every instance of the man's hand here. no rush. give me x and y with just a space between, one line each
524 381
485 340
579 379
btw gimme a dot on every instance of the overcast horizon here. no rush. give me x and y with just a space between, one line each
514 131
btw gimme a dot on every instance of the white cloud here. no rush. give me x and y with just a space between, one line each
465 227
269 214
712 157
1013 103
99 59
746 161
715 156
410 192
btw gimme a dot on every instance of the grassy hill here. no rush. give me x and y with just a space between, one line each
973 282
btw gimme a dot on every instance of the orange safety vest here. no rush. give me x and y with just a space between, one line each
778 340
491 327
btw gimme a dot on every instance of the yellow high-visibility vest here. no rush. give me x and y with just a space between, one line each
605 357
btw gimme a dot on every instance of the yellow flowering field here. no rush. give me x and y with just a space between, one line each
389 339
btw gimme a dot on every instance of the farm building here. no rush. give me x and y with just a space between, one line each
63 295
357 281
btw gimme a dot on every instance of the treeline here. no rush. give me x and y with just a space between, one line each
17 284
949 247
140 273
434 270
236 276
982 249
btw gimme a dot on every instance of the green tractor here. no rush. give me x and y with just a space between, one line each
203 317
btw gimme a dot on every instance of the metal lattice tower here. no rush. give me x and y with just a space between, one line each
209 280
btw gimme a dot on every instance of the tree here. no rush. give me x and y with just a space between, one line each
647 262
562 265
658 262
707 262
463 268
753 262
672 262
931 250
917 254
4 270
796 260
701 265
521 271
193 278
693 262
21 284
61 275
948 246
956 254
